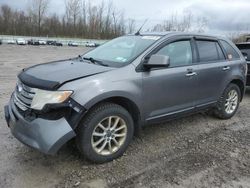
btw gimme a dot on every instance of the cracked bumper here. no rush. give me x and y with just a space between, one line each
47 136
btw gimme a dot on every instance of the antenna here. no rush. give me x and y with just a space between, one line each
138 32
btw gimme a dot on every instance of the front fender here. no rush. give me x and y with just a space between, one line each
91 90
111 94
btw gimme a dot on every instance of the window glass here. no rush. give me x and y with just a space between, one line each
209 51
120 51
230 51
245 48
220 52
180 53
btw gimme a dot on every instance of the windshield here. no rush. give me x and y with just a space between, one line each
120 51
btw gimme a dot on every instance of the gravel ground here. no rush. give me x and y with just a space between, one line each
196 151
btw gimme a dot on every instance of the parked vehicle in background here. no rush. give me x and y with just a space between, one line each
51 42
21 41
74 44
105 96
29 42
91 44
11 41
42 42
245 50
33 42
58 44
54 43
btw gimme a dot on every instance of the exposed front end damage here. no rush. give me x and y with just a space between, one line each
46 131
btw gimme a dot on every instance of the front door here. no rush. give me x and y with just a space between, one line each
171 90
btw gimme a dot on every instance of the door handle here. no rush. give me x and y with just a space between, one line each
191 74
226 68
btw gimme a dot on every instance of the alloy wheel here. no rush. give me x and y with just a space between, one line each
231 102
109 135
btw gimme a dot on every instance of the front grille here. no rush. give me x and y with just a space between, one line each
23 96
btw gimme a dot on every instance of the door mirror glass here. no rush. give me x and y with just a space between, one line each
157 60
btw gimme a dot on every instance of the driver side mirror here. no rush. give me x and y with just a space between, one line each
157 61
245 55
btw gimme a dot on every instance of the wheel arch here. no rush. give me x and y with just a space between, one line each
126 103
241 85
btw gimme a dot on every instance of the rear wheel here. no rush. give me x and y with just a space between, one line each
105 133
228 103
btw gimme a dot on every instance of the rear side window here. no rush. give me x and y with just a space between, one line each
209 51
179 52
231 53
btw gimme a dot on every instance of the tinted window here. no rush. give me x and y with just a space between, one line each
230 51
220 52
180 53
209 51
245 48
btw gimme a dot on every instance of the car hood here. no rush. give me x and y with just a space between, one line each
52 75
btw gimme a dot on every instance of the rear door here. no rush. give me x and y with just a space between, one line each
212 73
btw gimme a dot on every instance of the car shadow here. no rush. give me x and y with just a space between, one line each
247 92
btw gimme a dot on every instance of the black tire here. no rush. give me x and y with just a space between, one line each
88 125
220 110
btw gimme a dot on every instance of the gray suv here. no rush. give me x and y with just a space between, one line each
104 97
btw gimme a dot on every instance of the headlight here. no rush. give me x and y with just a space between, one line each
43 97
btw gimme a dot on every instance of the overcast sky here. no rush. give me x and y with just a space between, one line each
223 15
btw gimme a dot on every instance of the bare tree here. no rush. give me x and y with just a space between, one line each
81 19
184 23
6 15
73 11
108 19
38 9
201 24
131 26
114 21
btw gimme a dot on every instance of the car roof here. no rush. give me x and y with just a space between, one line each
175 33
156 33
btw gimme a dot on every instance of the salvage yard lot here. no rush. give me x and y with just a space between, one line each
195 151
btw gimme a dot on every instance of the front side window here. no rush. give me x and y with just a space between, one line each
230 51
180 53
209 51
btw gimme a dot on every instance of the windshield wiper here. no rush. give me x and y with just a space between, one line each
95 61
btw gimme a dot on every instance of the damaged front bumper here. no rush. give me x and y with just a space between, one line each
47 136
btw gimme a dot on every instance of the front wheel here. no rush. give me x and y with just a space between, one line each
105 133
228 103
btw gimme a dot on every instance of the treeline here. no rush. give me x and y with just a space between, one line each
184 22
81 19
